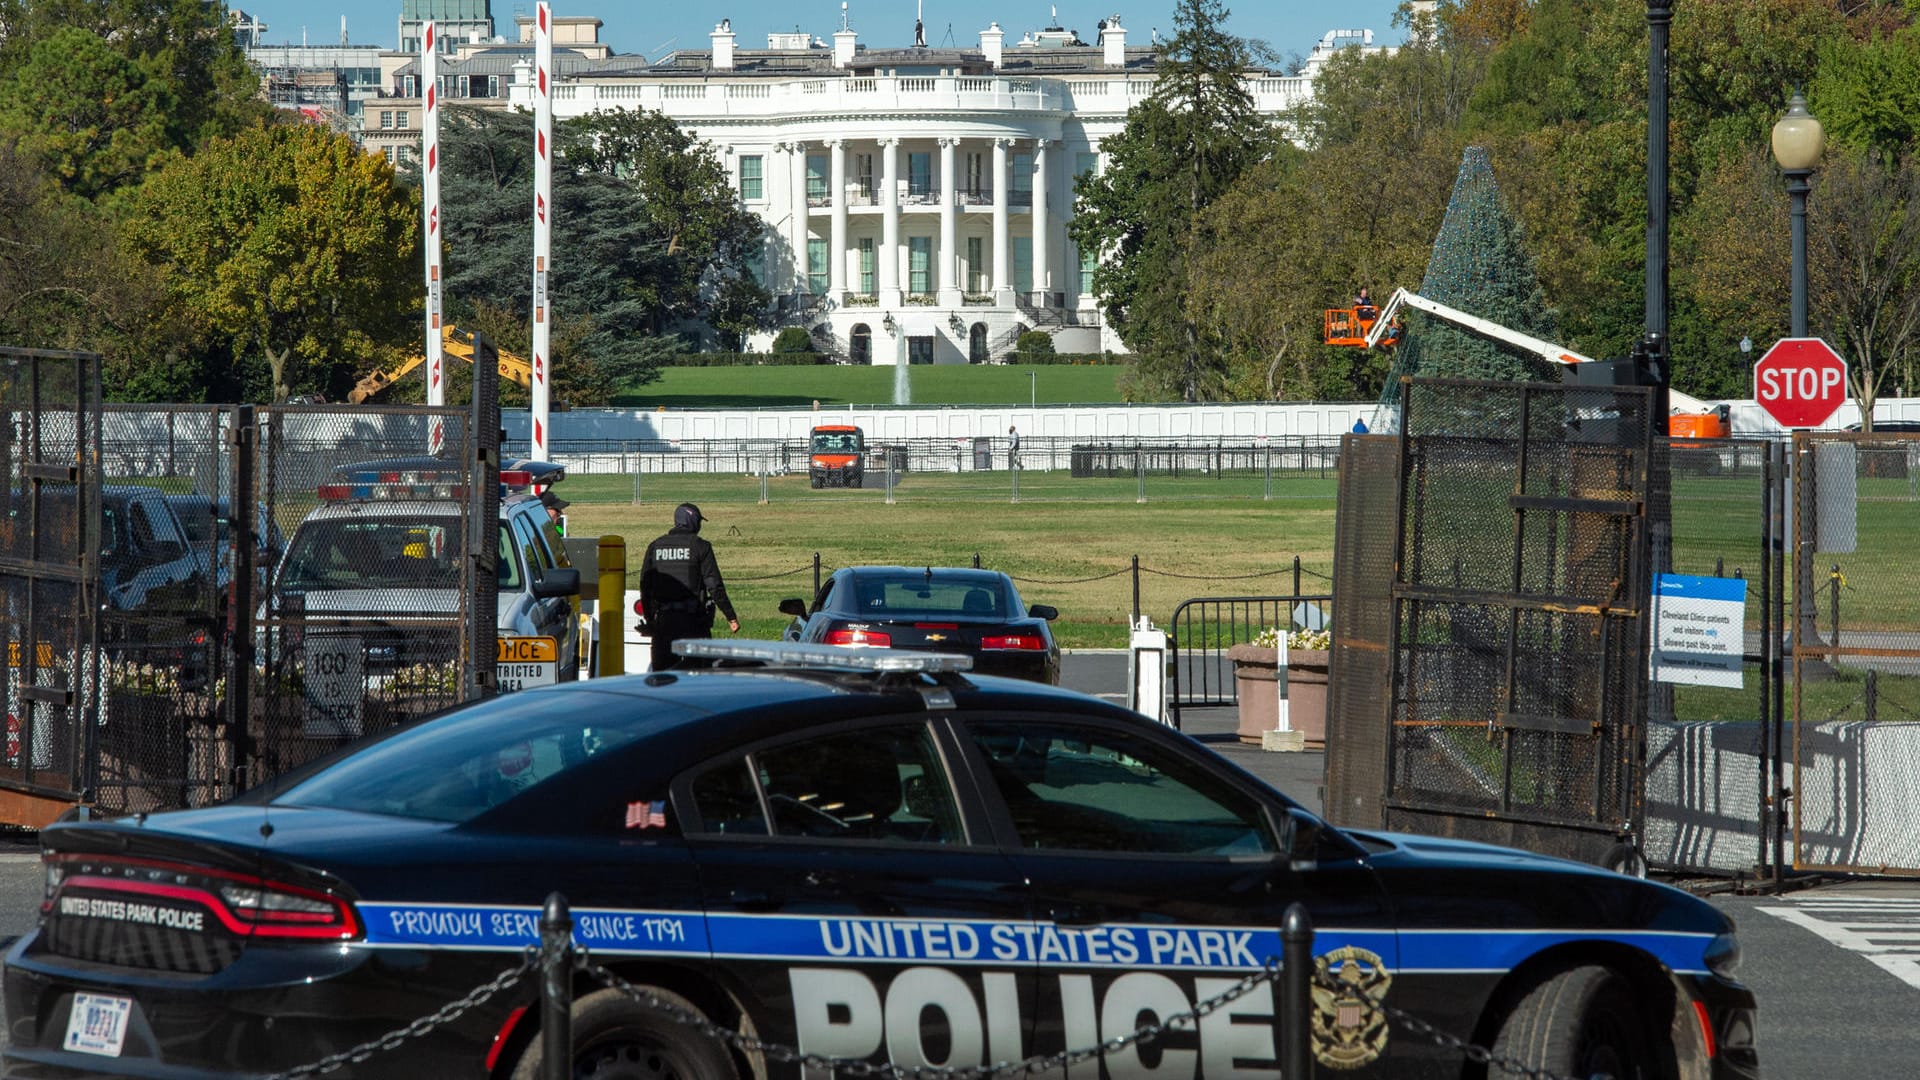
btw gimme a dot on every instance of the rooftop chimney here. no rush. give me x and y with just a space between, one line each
990 43
723 45
1113 38
843 42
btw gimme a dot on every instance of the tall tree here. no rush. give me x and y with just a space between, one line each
1182 148
1480 265
293 243
98 89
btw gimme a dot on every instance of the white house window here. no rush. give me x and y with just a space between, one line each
976 264
386 119
1023 172
976 182
493 86
464 86
1087 262
750 186
1023 264
403 119
863 176
1085 163
816 177
866 265
816 265
919 264
919 174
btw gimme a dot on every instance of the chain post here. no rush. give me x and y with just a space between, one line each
1136 590
247 533
1833 578
1296 577
1296 997
556 989
816 573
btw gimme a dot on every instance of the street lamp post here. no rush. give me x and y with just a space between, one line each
1797 144
1033 389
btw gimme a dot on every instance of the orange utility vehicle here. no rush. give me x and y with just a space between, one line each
836 456
1689 417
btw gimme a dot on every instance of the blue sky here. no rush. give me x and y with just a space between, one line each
652 26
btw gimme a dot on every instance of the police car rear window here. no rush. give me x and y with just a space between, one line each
465 764
874 784
1080 789
917 595
375 553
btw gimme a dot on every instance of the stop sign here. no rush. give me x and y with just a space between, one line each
1800 382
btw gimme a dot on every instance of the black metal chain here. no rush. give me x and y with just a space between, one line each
1221 577
392 1040
1033 1066
1068 581
769 577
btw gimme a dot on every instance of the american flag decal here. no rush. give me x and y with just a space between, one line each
647 815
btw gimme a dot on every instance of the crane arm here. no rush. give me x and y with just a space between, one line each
454 342
1486 329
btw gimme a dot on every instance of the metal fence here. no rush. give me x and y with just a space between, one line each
1855 652
1204 629
1515 653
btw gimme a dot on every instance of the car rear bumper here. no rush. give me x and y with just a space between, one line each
272 1010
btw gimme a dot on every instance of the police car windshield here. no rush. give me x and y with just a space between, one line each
464 764
836 442
375 553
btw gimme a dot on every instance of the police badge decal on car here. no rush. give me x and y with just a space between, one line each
1348 1031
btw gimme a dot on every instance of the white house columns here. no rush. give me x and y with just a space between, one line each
1002 242
797 230
949 259
837 237
1042 279
889 254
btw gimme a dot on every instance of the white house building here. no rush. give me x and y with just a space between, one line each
916 199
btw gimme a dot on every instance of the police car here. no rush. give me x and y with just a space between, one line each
864 855
377 563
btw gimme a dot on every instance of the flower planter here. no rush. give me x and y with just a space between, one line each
1256 684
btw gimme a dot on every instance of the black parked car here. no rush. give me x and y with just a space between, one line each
978 613
861 854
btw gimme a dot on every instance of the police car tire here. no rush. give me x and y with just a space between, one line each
1580 1022
617 1038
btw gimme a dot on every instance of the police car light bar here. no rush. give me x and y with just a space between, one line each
802 655
395 484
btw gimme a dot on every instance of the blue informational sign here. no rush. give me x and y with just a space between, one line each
1699 630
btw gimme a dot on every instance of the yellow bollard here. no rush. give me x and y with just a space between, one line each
613 606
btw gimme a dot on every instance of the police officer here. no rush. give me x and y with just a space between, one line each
680 587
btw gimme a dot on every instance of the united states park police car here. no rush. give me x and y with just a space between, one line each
856 854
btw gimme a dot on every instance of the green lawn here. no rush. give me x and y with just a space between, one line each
835 384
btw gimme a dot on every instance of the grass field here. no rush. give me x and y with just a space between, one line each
1073 552
836 384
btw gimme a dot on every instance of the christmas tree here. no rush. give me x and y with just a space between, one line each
1479 265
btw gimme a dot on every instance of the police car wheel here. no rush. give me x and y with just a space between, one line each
1581 1022
617 1038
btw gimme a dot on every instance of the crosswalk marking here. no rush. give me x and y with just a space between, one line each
1883 930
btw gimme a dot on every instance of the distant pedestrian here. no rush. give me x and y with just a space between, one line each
680 587
1013 447
1359 427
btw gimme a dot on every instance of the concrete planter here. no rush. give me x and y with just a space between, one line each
1257 685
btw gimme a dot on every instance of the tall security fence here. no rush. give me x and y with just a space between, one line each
199 598
50 558
1856 652
1514 644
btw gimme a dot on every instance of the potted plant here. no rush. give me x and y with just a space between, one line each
1257 683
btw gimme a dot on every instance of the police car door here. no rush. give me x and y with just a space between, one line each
1160 880
854 902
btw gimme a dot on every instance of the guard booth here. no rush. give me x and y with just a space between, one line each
1488 676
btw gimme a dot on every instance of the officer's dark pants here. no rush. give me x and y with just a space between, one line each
671 626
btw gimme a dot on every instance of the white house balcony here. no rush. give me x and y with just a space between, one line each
770 99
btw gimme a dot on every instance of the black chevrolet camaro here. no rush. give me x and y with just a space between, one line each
865 855
978 613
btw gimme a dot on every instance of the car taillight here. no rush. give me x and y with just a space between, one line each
244 904
875 638
936 626
1026 642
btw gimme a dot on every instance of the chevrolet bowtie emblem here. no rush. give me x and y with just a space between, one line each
936 637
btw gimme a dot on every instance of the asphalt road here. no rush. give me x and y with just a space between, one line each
1836 965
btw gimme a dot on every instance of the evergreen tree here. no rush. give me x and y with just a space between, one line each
1480 265
1182 148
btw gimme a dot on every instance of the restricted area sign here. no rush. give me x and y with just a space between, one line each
1801 382
527 661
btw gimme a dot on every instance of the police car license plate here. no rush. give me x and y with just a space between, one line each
527 661
98 1024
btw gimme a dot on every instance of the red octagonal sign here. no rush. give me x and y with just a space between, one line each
1800 382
